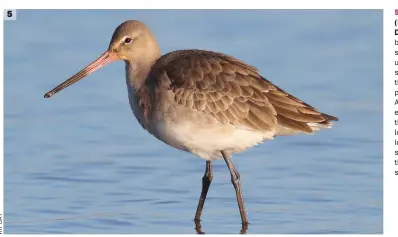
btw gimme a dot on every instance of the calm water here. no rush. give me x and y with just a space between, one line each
80 163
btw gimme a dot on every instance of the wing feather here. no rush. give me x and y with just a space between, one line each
233 92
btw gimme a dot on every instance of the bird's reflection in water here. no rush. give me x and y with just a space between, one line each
198 228
244 228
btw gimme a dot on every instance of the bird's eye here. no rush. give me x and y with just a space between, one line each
127 40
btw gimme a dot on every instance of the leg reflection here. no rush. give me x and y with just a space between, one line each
198 228
244 229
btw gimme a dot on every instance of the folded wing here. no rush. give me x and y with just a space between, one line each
235 93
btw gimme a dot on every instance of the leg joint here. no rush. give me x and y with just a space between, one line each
235 180
207 178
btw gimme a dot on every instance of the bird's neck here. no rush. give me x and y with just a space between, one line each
139 96
137 71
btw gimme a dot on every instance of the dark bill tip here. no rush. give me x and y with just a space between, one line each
48 94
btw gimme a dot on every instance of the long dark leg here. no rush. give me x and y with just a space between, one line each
206 181
235 178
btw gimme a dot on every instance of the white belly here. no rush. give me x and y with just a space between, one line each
196 132
207 140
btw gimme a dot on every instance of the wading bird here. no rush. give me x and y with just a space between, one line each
203 102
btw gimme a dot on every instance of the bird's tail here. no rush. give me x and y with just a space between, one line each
327 123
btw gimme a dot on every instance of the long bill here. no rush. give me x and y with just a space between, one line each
103 60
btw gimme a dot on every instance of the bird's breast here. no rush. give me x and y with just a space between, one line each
138 110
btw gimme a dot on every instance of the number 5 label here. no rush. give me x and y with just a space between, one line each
10 14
